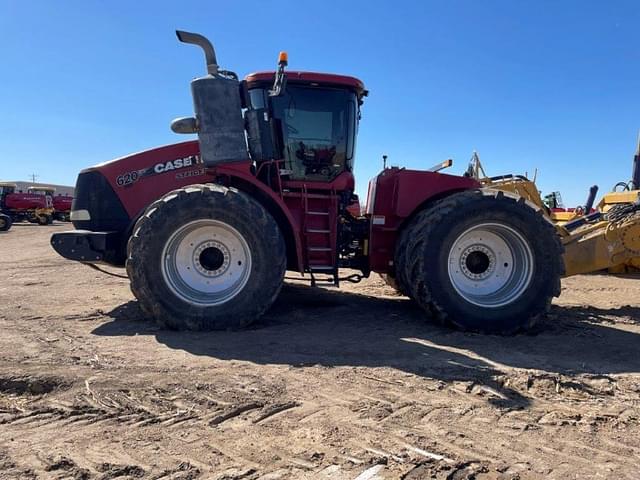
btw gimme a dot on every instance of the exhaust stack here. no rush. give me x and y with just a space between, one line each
205 45
217 105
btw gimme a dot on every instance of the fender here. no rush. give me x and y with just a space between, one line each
395 196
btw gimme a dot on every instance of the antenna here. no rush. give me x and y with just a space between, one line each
33 177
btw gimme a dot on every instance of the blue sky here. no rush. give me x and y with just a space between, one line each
552 85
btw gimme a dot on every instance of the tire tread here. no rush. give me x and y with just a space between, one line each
138 251
421 241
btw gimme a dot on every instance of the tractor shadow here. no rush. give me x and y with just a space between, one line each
332 328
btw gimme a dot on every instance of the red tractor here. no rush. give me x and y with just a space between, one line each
31 206
207 228
47 192
62 207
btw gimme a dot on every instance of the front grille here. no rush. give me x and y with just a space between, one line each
93 193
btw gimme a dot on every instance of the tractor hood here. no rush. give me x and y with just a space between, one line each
149 171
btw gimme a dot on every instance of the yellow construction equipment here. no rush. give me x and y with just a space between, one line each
44 216
605 238
622 204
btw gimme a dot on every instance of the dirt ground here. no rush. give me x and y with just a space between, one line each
331 384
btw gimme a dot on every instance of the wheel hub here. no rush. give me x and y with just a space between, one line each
206 262
477 262
490 265
211 258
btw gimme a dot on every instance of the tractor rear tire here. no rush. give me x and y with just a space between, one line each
401 259
206 257
5 222
485 261
392 282
400 263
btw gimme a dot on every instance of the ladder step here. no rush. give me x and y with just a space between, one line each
317 213
317 230
321 268
319 249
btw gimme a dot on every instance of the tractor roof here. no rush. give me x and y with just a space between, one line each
43 188
327 79
8 184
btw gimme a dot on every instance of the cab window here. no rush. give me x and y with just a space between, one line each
318 128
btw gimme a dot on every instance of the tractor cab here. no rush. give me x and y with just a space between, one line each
312 123
304 122
47 192
6 188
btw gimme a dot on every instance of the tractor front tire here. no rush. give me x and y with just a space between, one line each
206 257
484 261
5 222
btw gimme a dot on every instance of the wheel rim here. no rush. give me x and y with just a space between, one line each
490 265
206 262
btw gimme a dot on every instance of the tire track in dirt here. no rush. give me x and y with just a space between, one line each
585 456
342 395
87 414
